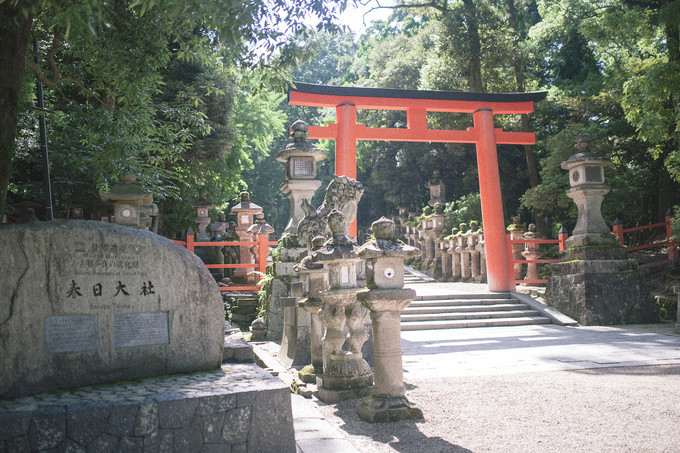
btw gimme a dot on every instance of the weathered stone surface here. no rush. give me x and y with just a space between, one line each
279 290
89 302
600 292
272 422
84 422
238 408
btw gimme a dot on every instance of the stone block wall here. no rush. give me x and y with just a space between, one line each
239 408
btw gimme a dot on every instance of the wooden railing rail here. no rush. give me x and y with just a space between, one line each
560 244
618 230
260 265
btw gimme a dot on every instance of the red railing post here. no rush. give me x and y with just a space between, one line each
562 236
190 240
262 249
672 246
617 230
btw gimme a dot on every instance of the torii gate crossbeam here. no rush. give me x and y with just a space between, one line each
345 131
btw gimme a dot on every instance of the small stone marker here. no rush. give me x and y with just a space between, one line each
85 302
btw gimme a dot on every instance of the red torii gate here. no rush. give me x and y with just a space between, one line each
345 131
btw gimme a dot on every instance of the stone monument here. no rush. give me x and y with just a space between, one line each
595 283
89 303
385 298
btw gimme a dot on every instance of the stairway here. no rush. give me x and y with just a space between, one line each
468 310
413 276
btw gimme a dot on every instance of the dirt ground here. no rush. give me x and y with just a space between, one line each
598 410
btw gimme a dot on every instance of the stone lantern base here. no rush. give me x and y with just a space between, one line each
345 380
377 408
599 286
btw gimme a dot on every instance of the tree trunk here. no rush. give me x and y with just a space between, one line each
518 64
14 39
475 63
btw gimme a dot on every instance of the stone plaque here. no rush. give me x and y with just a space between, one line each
140 329
71 333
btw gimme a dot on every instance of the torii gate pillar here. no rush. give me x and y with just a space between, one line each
346 148
500 276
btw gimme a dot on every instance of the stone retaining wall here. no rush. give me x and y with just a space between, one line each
239 408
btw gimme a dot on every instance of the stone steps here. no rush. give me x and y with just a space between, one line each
408 317
457 324
436 309
468 310
412 276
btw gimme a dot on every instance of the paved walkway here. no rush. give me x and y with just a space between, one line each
498 351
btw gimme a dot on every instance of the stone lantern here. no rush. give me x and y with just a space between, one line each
385 298
219 228
595 283
532 252
202 207
586 177
259 228
128 199
437 189
346 374
300 158
245 210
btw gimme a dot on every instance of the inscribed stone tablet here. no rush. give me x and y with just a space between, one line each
140 329
71 333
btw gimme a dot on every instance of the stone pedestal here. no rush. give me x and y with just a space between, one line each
295 345
387 401
600 291
386 298
445 259
315 279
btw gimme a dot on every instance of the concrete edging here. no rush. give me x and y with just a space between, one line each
555 316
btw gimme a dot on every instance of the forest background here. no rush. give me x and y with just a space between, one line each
191 98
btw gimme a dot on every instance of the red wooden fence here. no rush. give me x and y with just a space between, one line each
618 231
259 266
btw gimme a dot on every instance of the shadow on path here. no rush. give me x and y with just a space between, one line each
402 436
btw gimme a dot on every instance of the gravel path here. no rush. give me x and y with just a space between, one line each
594 410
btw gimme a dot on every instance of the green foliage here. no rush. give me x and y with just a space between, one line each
675 223
464 210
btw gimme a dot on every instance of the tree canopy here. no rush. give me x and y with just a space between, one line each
173 91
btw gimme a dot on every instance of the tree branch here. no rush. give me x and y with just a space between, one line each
433 4
56 79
